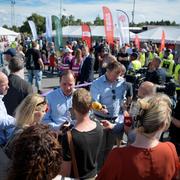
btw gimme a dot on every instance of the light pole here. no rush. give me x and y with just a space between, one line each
133 12
60 7
12 13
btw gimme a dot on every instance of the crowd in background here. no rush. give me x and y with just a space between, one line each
123 99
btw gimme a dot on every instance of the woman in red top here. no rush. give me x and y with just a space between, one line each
76 63
146 158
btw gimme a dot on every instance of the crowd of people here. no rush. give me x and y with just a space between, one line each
77 133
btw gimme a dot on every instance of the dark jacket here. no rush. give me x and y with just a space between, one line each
87 70
18 90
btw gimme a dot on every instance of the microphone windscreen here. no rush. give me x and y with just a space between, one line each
96 106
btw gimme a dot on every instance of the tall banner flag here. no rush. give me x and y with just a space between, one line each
108 25
123 27
86 34
33 30
137 42
49 28
58 37
162 41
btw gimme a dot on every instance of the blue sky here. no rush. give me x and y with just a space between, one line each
87 10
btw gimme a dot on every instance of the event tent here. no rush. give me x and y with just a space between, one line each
11 35
96 31
172 35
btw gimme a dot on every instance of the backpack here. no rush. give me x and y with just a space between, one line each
30 62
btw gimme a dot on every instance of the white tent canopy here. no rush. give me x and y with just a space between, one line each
96 31
11 35
7 32
172 34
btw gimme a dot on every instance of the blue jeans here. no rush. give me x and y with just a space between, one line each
1 59
38 77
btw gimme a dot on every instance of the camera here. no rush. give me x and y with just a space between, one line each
169 88
136 78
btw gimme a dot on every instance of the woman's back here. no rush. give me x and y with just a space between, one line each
140 163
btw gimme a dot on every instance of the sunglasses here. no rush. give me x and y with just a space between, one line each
44 102
113 94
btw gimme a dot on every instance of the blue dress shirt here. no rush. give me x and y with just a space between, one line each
108 94
59 106
7 124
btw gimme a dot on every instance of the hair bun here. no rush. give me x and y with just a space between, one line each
144 105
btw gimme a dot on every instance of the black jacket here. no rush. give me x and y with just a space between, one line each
18 90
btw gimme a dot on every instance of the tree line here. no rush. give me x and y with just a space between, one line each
71 20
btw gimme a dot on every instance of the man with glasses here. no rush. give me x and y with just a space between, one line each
108 91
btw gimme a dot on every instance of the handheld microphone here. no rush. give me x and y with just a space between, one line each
96 106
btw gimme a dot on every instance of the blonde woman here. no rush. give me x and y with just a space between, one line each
146 158
28 113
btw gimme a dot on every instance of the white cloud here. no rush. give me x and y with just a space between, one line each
145 10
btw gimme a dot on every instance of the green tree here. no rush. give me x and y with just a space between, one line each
89 23
39 23
98 21
5 26
71 20
64 21
15 28
78 22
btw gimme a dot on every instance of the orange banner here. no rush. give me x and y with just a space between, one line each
162 41
86 35
108 25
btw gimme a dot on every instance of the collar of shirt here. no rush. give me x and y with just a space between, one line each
62 93
117 80
1 97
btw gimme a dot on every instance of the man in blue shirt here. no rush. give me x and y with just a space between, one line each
109 91
60 101
7 122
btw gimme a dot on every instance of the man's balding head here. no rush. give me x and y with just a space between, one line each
146 89
3 83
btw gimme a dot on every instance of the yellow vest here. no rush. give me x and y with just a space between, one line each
177 69
142 58
170 57
13 45
168 66
136 64
161 55
151 56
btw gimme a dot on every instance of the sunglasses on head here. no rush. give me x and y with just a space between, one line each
44 102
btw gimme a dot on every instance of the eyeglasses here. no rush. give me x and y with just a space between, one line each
114 94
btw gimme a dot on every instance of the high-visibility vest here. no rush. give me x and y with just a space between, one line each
176 76
161 55
176 72
142 58
151 56
170 57
168 65
65 64
75 67
136 64
13 45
